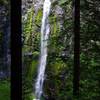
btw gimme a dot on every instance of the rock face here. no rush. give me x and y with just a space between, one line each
38 4
27 4
4 41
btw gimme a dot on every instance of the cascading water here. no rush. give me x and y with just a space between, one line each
45 30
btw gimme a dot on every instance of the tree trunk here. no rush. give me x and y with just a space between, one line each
76 70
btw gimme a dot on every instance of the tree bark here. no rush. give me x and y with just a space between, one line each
76 70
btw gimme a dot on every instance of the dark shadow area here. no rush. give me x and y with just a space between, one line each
5 55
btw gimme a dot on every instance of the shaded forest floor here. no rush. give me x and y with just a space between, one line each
4 90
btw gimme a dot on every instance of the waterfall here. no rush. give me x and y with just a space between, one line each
45 30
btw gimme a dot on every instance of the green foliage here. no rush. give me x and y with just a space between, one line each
30 47
38 17
28 29
62 2
4 2
29 97
4 90
58 84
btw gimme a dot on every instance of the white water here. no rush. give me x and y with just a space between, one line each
45 30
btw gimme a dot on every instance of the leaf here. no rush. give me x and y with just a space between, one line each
62 2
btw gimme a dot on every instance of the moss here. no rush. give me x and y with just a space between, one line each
29 96
32 70
38 17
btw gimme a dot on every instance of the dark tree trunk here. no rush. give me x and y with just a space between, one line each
76 70
16 58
